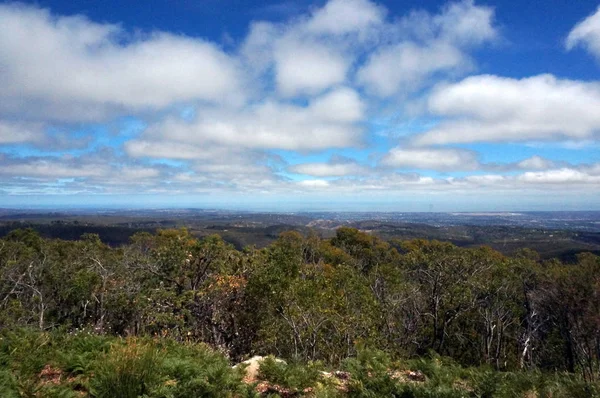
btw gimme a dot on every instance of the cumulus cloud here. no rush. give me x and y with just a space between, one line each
327 169
38 134
96 167
75 69
560 176
315 53
163 149
311 54
336 167
227 169
466 23
340 17
536 163
311 83
404 66
307 68
314 184
329 121
428 45
431 159
576 177
52 168
586 34
495 109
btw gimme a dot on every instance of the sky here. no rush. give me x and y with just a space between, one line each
301 104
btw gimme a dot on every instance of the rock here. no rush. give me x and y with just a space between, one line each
252 367
408 376
415 376
341 375
51 375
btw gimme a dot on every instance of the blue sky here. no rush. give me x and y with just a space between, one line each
339 104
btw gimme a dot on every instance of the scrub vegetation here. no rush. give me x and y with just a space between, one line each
168 314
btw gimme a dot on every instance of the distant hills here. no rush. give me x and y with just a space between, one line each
552 234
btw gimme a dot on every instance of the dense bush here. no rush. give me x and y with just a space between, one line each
303 299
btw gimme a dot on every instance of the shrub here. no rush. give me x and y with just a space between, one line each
198 371
128 371
8 384
293 376
370 375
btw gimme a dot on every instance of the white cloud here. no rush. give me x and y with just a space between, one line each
342 105
560 176
311 54
96 169
35 134
428 45
162 149
340 17
329 169
486 179
301 85
227 169
95 174
586 34
258 46
307 68
431 159
75 69
138 173
52 169
576 177
100 172
20 132
536 163
404 66
314 184
329 121
465 23
496 109
593 169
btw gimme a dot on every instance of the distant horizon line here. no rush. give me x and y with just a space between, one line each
273 211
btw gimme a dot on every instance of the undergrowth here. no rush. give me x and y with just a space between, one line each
68 365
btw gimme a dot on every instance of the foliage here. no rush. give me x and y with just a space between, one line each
518 321
293 376
71 365
127 371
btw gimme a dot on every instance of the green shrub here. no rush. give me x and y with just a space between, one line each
128 370
59 364
8 384
440 371
574 388
78 352
370 375
198 371
293 376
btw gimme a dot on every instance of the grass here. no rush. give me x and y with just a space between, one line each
34 364
59 364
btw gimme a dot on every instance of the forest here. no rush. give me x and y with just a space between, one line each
168 314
